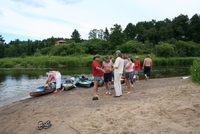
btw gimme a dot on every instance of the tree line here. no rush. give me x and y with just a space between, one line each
179 37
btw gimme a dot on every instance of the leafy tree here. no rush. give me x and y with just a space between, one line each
116 36
96 46
94 34
2 46
130 32
152 35
131 47
106 34
193 31
180 25
76 36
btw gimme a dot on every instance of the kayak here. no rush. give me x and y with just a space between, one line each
69 84
86 82
44 89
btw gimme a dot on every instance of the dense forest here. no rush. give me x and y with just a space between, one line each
179 37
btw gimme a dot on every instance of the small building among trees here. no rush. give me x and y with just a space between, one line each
59 42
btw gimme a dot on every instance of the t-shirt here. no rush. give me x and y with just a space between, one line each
137 65
96 72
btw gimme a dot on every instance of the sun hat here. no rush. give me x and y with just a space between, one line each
96 56
137 57
47 74
118 51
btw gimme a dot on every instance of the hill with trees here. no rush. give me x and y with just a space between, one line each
179 37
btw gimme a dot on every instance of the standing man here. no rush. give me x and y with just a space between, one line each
118 70
107 65
137 69
147 66
97 72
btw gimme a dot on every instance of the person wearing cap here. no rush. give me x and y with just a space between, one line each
97 73
137 68
56 76
107 65
118 71
147 66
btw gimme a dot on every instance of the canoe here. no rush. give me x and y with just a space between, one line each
44 89
69 84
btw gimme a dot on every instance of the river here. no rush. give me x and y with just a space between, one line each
15 84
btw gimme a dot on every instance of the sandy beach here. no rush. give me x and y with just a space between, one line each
156 106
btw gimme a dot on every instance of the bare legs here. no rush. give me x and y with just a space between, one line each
137 78
128 83
96 83
108 88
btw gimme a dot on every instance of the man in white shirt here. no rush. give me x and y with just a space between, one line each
118 70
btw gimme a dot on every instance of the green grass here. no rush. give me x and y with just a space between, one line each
195 71
82 60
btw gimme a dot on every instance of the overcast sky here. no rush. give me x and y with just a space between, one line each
41 19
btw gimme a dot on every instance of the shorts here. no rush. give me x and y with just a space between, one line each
108 77
128 75
97 78
147 70
136 72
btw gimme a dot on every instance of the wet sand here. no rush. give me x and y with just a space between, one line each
167 105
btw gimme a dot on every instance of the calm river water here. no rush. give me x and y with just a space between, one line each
15 84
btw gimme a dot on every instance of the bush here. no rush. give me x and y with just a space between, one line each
8 64
195 71
165 50
23 55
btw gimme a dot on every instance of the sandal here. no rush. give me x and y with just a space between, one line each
95 98
40 125
47 124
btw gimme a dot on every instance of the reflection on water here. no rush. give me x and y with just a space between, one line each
15 84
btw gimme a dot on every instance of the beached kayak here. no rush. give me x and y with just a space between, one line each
87 82
44 89
69 84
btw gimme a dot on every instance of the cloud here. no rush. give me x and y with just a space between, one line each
1 13
33 3
69 1
59 18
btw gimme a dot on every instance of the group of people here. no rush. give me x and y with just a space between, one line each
122 66
111 73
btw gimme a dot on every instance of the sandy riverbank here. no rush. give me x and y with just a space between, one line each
167 105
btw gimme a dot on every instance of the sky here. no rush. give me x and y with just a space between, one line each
41 19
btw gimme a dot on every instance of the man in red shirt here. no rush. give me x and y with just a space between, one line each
97 73
137 68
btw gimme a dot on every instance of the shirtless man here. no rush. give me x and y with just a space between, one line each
147 66
107 65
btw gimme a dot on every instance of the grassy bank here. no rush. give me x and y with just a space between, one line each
80 60
195 71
